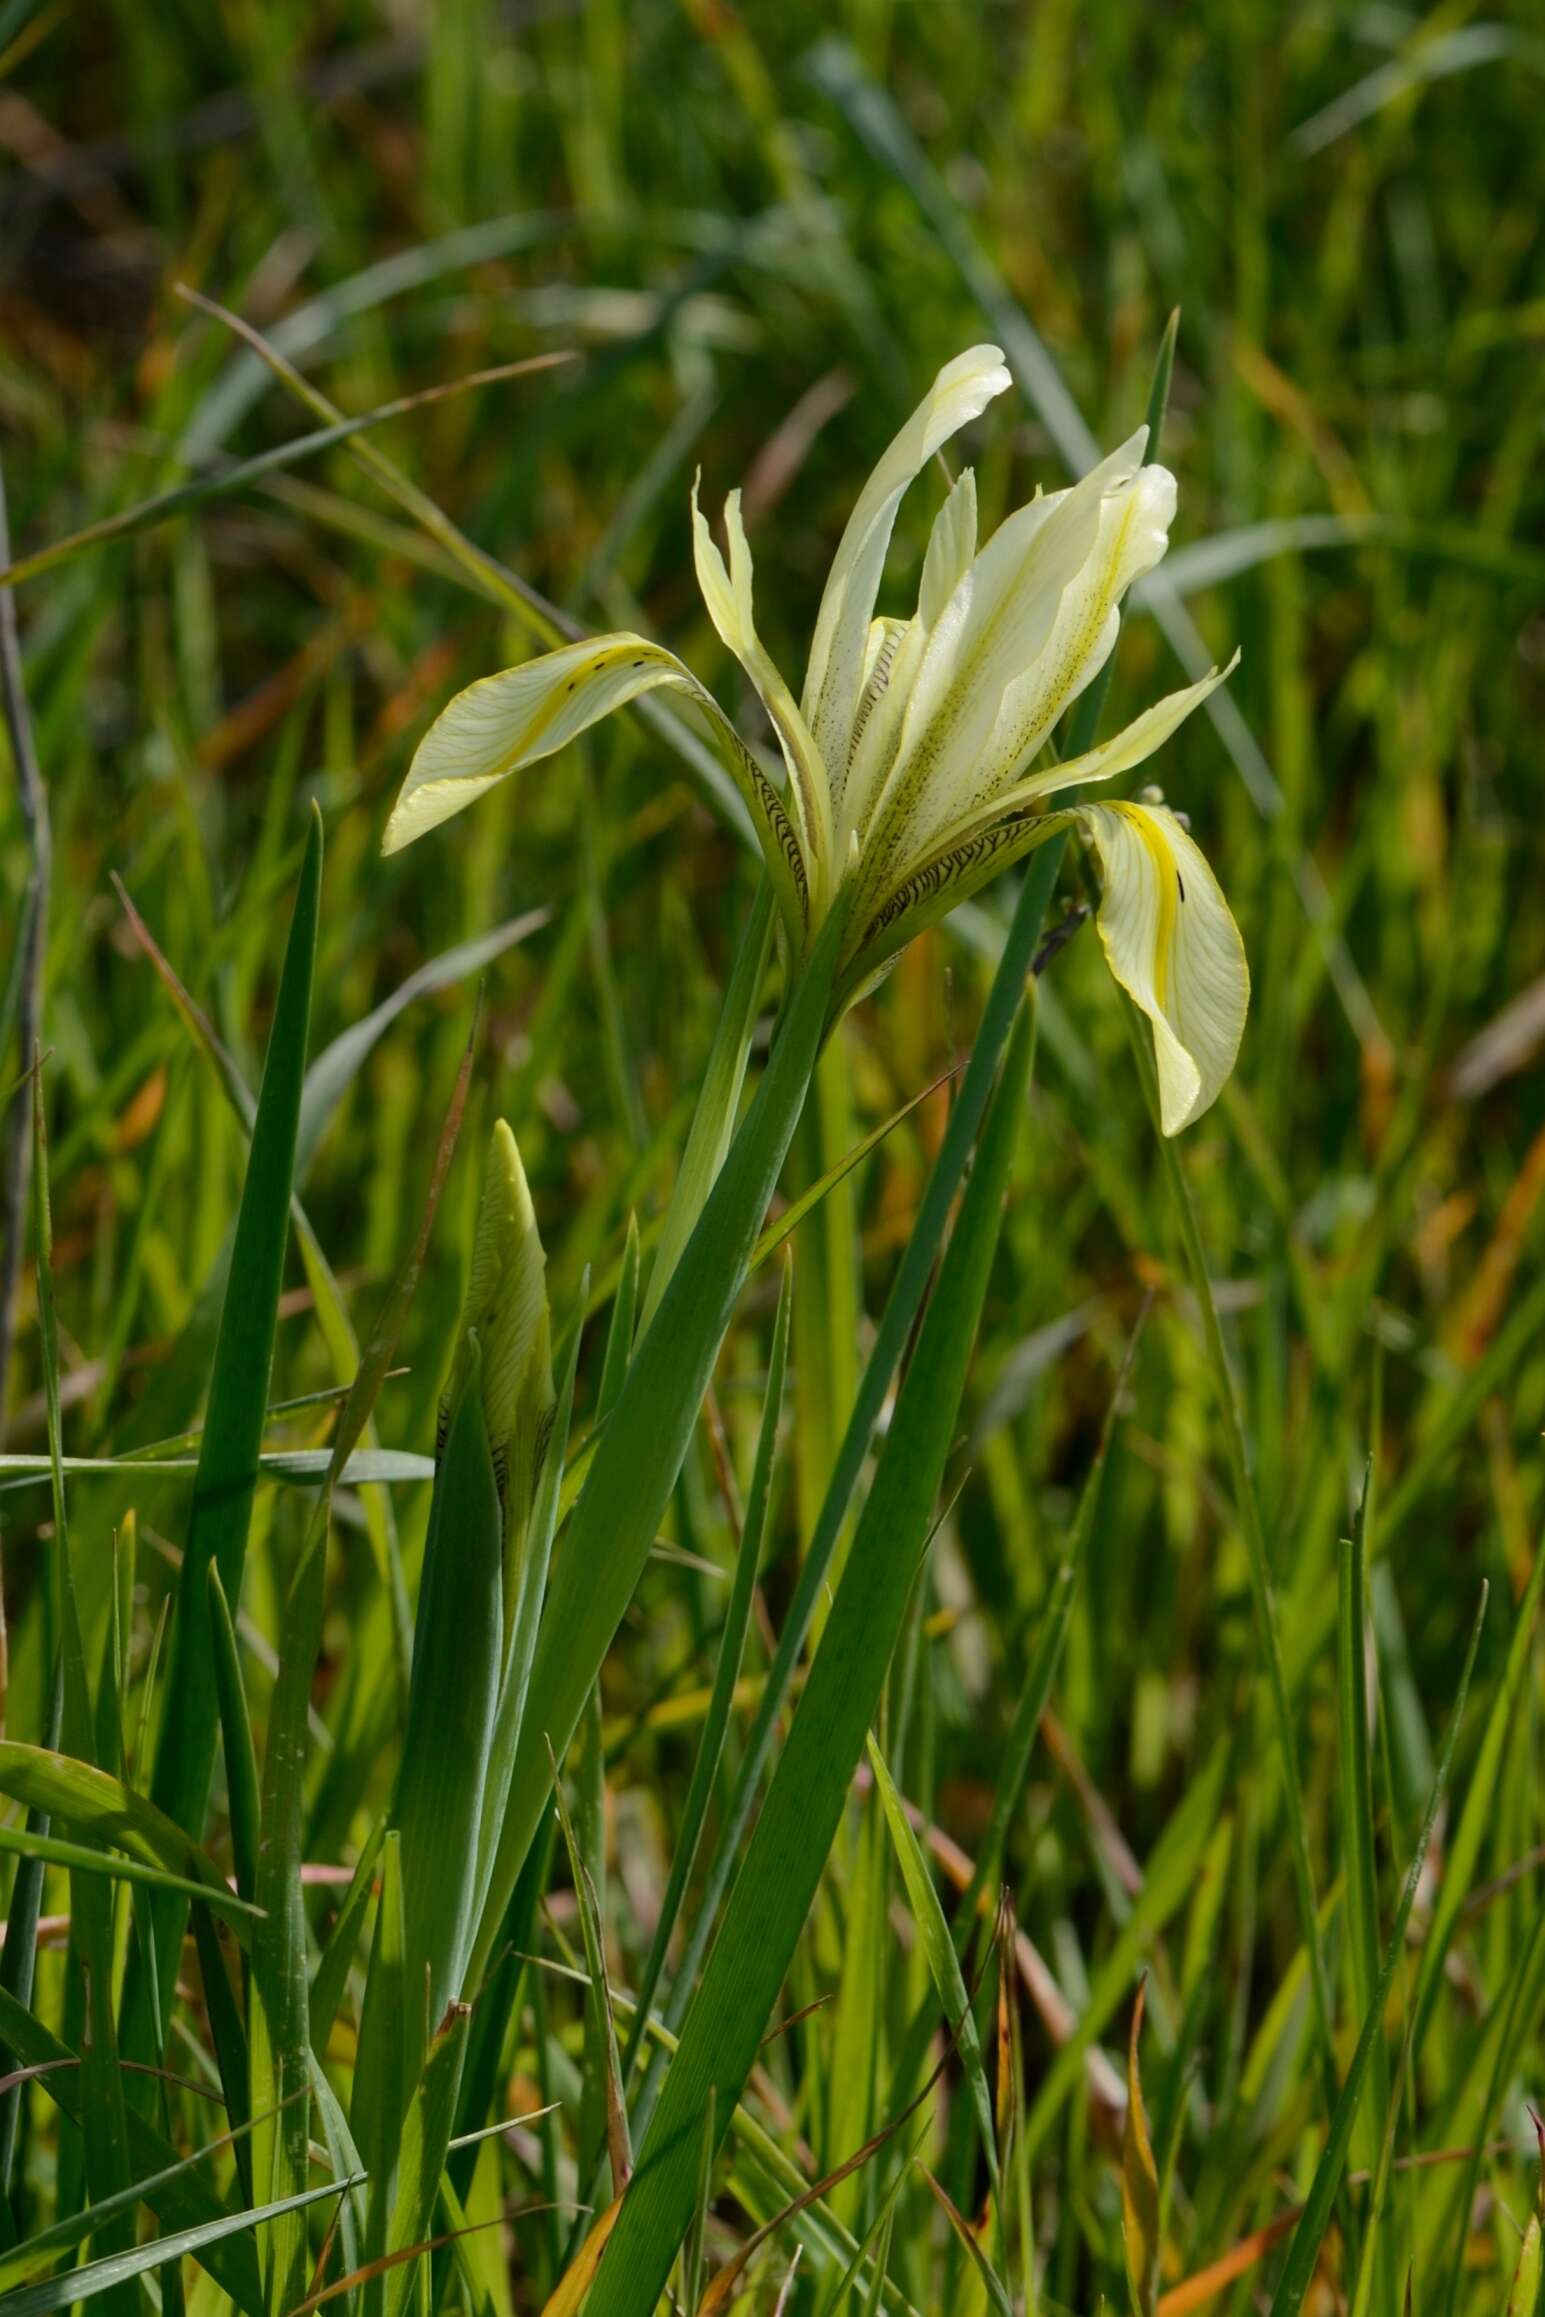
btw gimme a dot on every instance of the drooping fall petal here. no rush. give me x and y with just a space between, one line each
1171 943
496 727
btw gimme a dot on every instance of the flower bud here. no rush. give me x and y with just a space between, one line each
506 1312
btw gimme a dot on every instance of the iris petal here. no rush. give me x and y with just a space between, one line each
960 393
727 595
1005 617
1171 943
496 727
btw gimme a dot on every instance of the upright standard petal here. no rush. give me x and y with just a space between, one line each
1171 943
960 393
727 595
951 549
508 721
1000 619
1133 535
1036 624
894 659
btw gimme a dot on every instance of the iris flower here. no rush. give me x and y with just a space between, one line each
918 761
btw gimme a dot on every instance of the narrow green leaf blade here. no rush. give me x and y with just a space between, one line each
1304 2251
232 1440
118 2269
939 1948
641 1451
772 1896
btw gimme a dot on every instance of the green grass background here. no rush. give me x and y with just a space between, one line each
760 231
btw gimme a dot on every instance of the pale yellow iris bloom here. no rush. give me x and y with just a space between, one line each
908 777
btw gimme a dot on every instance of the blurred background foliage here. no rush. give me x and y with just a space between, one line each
760 230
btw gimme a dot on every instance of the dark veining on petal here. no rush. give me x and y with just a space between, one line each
780 824
877 685
945 868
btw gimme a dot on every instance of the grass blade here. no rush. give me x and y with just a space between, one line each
1298 2269
241 477
53 1783
592 1932
280 2026
1141 2220
241 1775
178 2196
18 1959
1476 1818
338 1065
1056 1615
119 2269
1357 1851
732 1643
50 1850
421 2159
229 1452
939 1947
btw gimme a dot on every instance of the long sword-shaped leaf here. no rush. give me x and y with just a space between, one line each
641 1451
804 1805
895 1328
232 1441
732 1642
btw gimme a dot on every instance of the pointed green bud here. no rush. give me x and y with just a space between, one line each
506 1315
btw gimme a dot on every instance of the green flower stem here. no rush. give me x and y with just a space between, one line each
641 1448
787 1853
890 1342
